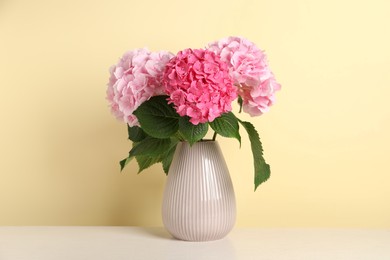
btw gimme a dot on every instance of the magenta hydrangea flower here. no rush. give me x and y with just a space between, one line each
199 85
136 78
250 71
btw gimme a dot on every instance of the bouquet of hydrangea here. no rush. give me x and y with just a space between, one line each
166 99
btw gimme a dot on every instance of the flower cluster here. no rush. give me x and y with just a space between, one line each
201 83
135 79
199 86
250 71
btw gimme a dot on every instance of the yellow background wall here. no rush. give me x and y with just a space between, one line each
327 138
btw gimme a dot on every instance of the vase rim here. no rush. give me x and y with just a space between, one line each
202 141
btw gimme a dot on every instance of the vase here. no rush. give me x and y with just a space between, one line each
198 202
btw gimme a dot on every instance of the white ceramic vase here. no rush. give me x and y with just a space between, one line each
198 202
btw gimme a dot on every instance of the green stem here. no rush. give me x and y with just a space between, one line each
214 136
240 103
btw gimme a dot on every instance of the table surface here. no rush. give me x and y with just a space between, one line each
116 243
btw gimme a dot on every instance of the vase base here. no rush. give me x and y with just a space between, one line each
198 239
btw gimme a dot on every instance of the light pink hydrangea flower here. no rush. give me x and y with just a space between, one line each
199 85
249 69
135 79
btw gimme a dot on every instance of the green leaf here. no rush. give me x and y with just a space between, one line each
145 161
262 169
136 134
167 160
227 126
151 146
125 161
192 133
157 118
150 151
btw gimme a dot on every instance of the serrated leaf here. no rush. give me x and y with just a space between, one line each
262 169
227 126
151 146
157 118
192 133
145 161
125 161
136 134
167 160
150 151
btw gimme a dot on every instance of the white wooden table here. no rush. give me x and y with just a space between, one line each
133 243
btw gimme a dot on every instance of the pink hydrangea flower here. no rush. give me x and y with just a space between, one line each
249 69
135 79
199 85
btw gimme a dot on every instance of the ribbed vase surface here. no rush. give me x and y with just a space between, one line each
199 202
